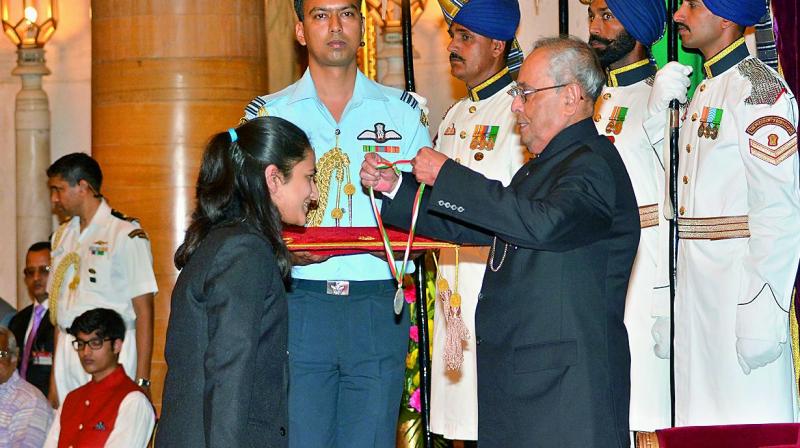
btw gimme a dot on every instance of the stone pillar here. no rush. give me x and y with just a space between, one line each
166 75
33 157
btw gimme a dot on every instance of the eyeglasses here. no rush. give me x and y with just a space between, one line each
42 270
518 91
4 354
94 344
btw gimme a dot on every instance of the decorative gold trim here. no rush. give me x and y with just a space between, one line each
648 216
71 259
713 228
367 57
612 75
707 65
333 160
473 93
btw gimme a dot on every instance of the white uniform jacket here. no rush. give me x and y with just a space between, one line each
104 266
619 114
739 224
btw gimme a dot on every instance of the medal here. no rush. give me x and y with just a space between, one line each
387 247
398 301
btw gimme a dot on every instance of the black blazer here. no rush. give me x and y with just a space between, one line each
38 374
552 353
227 376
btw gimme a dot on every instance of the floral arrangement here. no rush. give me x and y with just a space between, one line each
410 429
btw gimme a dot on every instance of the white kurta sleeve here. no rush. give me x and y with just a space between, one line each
768 147
55 430
134 424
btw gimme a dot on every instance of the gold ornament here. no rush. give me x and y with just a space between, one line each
455 300
442 284
349 189
337 213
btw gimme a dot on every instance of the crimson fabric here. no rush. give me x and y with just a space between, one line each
90 411
731 436
351 240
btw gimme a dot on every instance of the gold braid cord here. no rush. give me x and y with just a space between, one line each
52 302
795 335
333 160
71 259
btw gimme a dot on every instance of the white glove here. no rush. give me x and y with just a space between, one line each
671 82
755 353
660 332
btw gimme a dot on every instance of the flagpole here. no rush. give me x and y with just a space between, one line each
674 128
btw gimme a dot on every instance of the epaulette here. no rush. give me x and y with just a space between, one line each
257 107
766 87
120 215
650 80
409 99
138 233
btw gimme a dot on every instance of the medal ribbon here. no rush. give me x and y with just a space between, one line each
387 247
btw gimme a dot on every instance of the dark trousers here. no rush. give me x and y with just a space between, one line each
346 365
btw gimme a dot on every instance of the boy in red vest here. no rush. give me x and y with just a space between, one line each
110 410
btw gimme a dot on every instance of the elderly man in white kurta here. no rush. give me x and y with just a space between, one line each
100 259
478 132
739 224
621 33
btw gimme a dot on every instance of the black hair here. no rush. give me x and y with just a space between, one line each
298 9
76 167
41 245
107 323
231 186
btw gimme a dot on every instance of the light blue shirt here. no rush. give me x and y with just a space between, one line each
25 415
375 117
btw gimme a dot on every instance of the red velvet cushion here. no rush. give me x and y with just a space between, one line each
772 435
352 240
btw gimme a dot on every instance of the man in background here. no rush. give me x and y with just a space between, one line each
32 324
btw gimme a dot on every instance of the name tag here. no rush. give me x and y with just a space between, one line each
42 358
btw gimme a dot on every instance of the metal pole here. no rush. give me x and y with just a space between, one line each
408 51
424 356
674 128
563 17
422 301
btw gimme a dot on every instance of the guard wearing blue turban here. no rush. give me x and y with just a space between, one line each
496 19
642 19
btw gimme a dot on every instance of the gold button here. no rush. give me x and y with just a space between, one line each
80 427
472 109
689 148
597 118
458 160
694 116
606 96
682 211
685 179
463 135
702 87
86 402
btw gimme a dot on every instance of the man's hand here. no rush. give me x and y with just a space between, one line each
381 180
671 83
427 164
755 353
305 258
660 332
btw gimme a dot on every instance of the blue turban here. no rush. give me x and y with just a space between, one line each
495 19
740 12
642 19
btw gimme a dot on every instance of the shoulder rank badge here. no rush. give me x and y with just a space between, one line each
409 99
773 152
138 233
484 137
709 123
616 120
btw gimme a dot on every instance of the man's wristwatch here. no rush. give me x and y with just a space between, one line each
142 382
